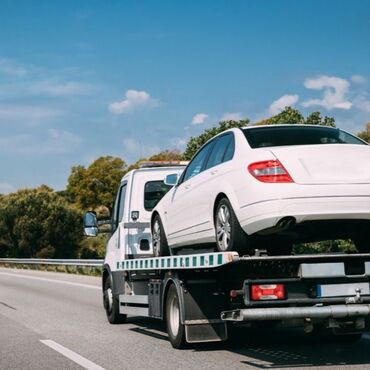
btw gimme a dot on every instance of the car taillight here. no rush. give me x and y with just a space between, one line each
267 291
269 171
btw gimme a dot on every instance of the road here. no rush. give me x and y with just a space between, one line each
56 321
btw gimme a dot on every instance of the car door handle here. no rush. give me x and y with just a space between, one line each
187 186
214 172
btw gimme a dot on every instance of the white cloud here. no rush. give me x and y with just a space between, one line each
54 88
358 79
179 142
334 95
6 188
54 142
27 114
362 103
26 89
11 68
284 101
134 100
231 116
199 118
136 149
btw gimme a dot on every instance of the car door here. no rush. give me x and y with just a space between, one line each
184 200
209 185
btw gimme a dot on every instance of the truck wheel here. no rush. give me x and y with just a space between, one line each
111 304
159 240
175 330
229 235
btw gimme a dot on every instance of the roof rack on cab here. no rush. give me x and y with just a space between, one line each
148 164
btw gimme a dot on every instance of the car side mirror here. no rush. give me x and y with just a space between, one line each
172 180
90 224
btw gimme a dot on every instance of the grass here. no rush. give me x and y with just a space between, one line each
77 270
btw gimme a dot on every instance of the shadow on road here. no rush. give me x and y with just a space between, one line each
273 348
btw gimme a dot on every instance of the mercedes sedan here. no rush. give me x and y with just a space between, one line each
268 187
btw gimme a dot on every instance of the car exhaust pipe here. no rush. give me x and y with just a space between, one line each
286 223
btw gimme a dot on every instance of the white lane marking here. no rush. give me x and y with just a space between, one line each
75 357
50 280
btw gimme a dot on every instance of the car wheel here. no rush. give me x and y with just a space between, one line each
159 240
175 329
229 235
111 304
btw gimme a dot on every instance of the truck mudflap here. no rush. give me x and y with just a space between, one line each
286 313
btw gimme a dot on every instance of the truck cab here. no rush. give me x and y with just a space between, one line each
139 191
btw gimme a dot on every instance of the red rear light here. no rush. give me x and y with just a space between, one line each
267 291
269 171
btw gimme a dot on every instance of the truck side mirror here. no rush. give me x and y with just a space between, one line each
172 179
90 224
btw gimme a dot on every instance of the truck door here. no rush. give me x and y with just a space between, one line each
116 243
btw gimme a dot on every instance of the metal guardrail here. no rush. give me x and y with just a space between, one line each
49 261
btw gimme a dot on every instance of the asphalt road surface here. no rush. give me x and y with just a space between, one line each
56 321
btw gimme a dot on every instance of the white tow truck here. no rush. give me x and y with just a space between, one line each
201 295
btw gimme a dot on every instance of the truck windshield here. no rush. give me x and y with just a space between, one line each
153 193
289 135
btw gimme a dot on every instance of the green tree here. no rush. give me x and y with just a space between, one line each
365 134
287 116
97 184
293 116
315 119
196 142
164 155
38 223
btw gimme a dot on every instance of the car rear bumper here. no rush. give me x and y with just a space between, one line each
266 214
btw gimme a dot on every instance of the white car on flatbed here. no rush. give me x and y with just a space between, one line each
267 187
201 296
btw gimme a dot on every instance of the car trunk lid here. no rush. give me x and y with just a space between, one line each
326 164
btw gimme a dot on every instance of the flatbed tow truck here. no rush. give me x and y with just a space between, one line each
200 296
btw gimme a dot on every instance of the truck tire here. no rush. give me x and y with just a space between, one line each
229 234
159 240
175 329
111 304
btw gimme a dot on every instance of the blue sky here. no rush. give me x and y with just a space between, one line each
80 79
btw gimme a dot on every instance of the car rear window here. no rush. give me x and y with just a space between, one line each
154 191
281 136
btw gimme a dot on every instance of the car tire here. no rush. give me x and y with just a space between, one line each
229 234
159 240
175 329
111 304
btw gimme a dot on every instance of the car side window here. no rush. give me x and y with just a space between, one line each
119 207
219 150
229 153
196 165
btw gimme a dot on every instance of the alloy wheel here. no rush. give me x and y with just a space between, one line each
223 227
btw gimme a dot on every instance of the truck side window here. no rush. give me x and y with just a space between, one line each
153 193
119 207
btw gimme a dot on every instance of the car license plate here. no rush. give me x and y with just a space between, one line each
342 290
